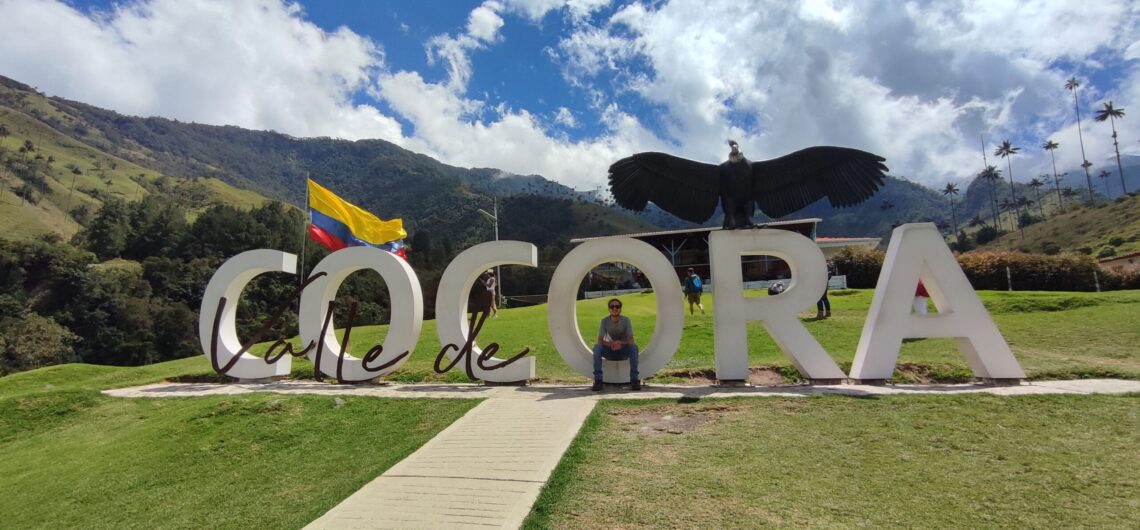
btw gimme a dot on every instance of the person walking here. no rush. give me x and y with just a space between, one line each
693 290
615 343
823 306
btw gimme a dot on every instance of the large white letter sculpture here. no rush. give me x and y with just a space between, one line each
563 320
917 250
451 303
228 282
734 311
403 330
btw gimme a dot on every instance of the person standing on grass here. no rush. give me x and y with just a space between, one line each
489 282
693 290
615 343
823 306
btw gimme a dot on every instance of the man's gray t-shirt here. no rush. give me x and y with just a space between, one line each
620 330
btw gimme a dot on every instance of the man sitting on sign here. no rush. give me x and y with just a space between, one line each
615 343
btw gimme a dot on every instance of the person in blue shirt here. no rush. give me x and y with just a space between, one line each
693 289
615 343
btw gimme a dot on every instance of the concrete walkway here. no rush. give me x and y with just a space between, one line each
487 468
559 392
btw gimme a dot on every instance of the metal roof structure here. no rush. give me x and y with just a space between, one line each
690 247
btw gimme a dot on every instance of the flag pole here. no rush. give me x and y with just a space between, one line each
498 272
305 232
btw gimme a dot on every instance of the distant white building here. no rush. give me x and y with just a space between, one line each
1125 263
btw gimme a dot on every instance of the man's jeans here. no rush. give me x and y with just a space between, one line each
629 351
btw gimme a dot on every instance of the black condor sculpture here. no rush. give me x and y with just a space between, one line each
690 189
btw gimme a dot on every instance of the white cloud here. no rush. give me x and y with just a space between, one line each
565 117
915 81
255 64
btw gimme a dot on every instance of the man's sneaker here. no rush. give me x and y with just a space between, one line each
635 385
597 386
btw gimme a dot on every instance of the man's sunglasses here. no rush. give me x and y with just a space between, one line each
615 306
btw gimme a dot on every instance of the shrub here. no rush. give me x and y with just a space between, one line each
1116 241
962 243
987 271
1029 272
986 234
1106 252
1050 248
861 265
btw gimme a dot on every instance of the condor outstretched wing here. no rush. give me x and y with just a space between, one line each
685 188
845 176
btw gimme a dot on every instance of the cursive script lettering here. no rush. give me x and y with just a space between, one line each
475 324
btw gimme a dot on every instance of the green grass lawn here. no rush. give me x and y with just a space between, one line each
967 461
1053 335
78 459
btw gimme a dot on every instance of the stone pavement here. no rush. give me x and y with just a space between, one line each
487 468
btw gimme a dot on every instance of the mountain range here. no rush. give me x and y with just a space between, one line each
88 154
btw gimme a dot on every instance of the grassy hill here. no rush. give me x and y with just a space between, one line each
69 178
128 156
1111 228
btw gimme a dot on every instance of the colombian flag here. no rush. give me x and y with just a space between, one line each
336 224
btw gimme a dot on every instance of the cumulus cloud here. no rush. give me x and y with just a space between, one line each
255 64
916 81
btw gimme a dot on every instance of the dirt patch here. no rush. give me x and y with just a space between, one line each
671 419
766 377
758 376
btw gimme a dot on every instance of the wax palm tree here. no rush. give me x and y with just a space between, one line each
1058 180
1006 150
1006 205
993 175
1050 145
3 133
950 191
1036 185
1086 165
1111 114
1071 85
1104 174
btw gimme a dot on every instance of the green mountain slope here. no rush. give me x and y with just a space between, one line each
51 181
377 175
1111 228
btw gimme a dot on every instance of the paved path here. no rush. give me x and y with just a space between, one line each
558 392
487 468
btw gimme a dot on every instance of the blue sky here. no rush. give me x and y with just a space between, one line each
562 88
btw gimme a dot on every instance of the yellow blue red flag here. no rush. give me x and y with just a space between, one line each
335 224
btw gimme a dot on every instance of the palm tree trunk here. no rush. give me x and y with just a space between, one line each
1013 199
993 205
1116 145
1056 181
1084 159
1040 206
953 216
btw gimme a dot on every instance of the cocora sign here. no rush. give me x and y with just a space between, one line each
915 251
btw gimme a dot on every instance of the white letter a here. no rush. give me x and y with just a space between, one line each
918 251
